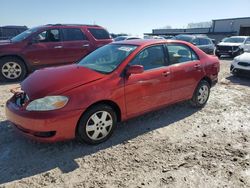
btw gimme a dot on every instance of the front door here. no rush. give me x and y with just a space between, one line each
46 49
150 89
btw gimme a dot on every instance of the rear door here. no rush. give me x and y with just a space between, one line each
150 89
45 49
75 44
186 71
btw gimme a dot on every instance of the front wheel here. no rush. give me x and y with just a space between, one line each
12 69
97 124
201 94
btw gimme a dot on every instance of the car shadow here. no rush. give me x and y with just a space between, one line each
226 58
21 157
239 80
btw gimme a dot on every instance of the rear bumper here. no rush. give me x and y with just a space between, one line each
43 126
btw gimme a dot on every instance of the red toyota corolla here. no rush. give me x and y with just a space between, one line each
116 82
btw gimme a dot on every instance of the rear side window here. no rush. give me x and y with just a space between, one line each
180 53
99 33
73 34
204 41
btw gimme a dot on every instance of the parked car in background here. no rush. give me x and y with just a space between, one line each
116 82
241 65
7 32
125 37
233 46
48 45
201 41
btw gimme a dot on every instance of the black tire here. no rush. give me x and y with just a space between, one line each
19 69
85 136
195 101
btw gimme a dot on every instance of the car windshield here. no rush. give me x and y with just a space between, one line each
234 40
24 35
107 58
184 38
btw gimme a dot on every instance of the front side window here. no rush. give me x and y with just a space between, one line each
99 33
150 58
52 35
179 53
73 34
107 58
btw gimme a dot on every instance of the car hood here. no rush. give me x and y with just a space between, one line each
56 80
245 57
229 44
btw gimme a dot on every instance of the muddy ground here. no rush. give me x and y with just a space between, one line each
174 147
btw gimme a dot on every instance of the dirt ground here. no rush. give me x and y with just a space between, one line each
174 147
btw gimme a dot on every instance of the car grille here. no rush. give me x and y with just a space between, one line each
21 99
224 48
245 64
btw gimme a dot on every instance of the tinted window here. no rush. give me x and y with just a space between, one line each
150 58
52 35
196 41
204 41
99 33
24 35
248 41
179 53
73 34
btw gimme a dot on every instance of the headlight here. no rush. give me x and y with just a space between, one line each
47 103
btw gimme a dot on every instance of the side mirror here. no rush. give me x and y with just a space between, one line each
135 69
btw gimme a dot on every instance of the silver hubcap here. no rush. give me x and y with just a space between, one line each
11 70
203 94
99 125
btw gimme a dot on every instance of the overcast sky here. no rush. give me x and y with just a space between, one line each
127 16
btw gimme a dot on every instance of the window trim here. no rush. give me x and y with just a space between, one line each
166 60
170 63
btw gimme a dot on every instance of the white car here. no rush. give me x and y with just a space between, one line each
241 64
233 46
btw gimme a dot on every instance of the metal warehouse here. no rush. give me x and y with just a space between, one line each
220 28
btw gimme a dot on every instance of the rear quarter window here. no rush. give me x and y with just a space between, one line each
99 33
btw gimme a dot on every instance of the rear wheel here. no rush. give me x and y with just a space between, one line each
201 94
97 124
12 69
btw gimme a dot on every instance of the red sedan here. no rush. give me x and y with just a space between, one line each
114 83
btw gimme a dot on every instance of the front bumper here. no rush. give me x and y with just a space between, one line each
50 126
239 70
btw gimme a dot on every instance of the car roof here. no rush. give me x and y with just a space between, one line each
238 37
69 25
148 42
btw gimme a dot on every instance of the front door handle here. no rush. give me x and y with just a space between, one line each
165 73
57 47
85 45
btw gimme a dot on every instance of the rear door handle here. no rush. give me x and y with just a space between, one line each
57 46
165 73
197 66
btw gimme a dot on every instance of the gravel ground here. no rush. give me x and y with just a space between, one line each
174 147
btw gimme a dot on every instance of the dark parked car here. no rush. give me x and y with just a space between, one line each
7 32
203 42
48 45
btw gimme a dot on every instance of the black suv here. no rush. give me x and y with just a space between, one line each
201 41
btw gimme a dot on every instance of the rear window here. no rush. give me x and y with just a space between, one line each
99 33
73 34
